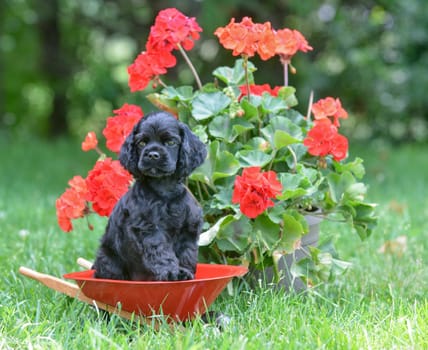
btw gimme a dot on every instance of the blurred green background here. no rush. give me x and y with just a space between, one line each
63 62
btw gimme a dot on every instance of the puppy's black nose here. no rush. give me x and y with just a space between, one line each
153 155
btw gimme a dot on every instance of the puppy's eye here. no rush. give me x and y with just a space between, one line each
142 144
170 143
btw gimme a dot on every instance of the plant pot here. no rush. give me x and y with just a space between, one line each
287 281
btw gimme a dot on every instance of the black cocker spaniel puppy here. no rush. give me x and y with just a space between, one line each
153 231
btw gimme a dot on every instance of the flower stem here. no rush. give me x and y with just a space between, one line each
311 99
191 66
277 276
273 157
91 227
100 153
160 82
247 81
293 154
285 65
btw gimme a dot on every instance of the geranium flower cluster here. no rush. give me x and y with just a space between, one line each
119 126
324 139
329 108
254 191
172 30
108 181
72 203
103 187
248 38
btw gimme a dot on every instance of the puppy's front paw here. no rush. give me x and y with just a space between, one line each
185 274
167 275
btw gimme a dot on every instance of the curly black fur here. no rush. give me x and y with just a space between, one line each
153 230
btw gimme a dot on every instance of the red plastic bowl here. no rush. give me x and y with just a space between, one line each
180 300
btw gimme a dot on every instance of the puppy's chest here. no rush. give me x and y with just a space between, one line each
168 216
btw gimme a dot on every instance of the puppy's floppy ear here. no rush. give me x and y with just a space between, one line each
128 155
192 152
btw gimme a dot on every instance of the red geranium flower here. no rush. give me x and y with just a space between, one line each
120 126
259 90
339 147
72 203
329 107
288 42
78 184
264 38
147 66
171 28
323 139
107 182
247 38
90 142
254 191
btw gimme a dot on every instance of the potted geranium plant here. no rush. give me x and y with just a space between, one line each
268 165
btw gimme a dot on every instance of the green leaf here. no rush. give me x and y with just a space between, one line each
340 266
356 167
163 103
206 105
225 165
301 219
275 213
267 232
316 267
257 143
339 184
219 164
228 129
235 75
365 219
200 132
310 175
203 174
182 93
234 235
355 192
292 231
271 104
299 150
249 158
319 266
286 91
287 94
251 111
222 199
291 186
284 124
283 139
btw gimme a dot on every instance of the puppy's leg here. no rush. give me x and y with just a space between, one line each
159 259
187 260
186 247
108 267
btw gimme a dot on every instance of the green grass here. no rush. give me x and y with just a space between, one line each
379 304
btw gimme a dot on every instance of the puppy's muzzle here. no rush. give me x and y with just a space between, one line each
152 155
155 162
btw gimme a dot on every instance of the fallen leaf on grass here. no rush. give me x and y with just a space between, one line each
397 207
397 246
